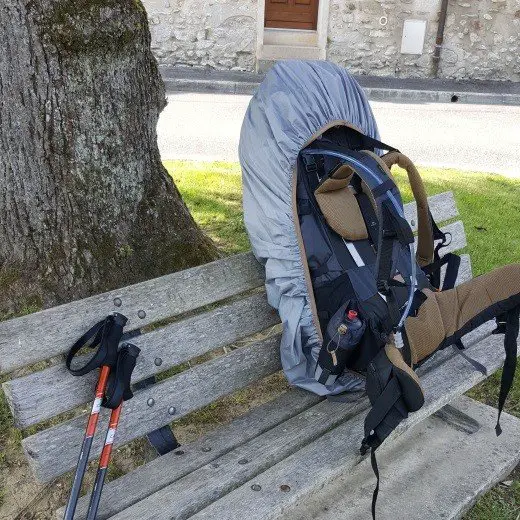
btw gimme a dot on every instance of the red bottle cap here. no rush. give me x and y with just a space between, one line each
352 315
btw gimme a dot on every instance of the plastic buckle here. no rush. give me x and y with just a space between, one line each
310 164
311 167
383 286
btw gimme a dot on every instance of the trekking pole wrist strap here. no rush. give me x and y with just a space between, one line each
118 386
103 336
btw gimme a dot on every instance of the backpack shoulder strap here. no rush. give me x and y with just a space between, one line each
425 246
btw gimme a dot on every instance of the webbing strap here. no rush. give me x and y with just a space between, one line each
118 387
104 336
508 373
375 469
163 438
371 143
459 349
369 216
385 252
380 409
382 406
452 271
433 271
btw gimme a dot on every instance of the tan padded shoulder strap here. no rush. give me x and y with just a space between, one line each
425 247
339 205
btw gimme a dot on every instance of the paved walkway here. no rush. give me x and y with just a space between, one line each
206 126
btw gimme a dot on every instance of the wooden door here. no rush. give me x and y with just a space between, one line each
291 14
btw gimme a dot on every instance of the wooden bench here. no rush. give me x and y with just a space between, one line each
259 465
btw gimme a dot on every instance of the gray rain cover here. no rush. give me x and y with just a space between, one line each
295 101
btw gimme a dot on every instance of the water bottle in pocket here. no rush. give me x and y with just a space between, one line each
343 334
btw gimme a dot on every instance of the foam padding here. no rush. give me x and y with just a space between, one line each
412 392
339 206
447 315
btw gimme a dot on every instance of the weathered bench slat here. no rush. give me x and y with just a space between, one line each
140 423
185 496
37 397
186 391
47 333
38 337
197 490
309 469
442 206
157 474
162 471
434 471
40 395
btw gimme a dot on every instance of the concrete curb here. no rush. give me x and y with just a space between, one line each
206 86
436 96
395 95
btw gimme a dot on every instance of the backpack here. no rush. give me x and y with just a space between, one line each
362 306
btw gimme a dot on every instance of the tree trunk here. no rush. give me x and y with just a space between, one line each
85 203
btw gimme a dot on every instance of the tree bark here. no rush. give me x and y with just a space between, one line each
85 203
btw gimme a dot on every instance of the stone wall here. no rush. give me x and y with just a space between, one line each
365 36
481 38
220 34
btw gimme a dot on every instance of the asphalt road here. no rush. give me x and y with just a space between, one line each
469 137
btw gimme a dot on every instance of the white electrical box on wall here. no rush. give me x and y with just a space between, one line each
414 32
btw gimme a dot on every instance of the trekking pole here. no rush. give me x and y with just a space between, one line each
118 390
104 336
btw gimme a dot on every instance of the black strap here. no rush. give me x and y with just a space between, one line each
369 216
452 271
385 186
367 210
508 373
385 257
319 271
381 407
163 440
384 276
314 164
103 336
118 386
433 270
394 230
371 143
418 299
438 235
375 469
501 324
459 349
304 207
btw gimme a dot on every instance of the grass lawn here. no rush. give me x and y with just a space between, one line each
489 206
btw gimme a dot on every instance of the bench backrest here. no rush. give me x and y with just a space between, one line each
176 318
